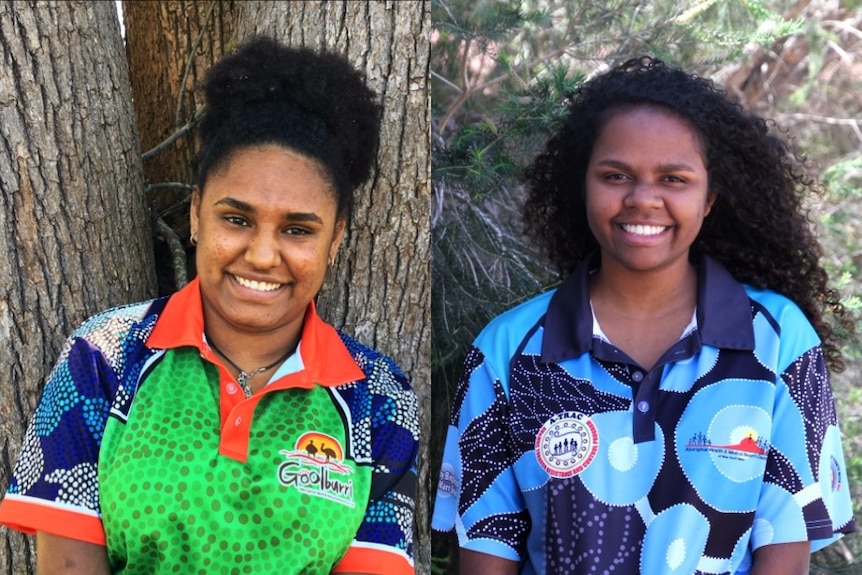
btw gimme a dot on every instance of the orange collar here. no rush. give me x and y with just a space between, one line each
327 361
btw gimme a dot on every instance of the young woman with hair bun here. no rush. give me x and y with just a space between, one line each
228 428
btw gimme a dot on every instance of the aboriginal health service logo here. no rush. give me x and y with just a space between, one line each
742 443
567 444
316 467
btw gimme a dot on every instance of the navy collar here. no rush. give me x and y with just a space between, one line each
723 311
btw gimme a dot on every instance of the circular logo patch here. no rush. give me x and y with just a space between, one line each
567 444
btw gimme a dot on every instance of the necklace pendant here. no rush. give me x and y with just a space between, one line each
242 380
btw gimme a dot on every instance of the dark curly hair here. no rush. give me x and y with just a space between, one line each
316 104
758 227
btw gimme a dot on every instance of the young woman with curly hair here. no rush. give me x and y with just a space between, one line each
667 409
227 428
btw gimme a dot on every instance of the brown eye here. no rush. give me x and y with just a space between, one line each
237 221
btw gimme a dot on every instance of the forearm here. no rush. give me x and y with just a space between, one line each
473 562
57 555
782 559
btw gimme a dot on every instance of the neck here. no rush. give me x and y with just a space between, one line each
249 350
645 294
247 375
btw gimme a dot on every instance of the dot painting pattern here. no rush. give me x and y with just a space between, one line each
161 476
739 434
144 456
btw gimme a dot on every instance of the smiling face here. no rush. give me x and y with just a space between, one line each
266 224
646 189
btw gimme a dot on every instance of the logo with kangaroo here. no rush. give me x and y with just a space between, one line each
316 467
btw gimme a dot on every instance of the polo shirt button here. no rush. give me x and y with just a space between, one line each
638 376
643 406
231 388
238 421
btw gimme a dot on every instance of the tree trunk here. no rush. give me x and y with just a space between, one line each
169 46
379 289
76 236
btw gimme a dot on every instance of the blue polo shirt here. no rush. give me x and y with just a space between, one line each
564 454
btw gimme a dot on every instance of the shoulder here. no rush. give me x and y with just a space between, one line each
505 333
385 392
779 309
111 330
380 370
118 319
780 325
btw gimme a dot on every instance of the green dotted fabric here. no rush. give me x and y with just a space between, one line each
172 504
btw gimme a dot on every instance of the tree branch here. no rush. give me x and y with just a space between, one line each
178 254
191 58
150 154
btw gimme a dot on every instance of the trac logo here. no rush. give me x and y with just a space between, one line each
316 467
567 444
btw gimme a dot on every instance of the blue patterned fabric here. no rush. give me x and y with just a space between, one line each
565 455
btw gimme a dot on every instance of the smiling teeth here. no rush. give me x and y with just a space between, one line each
640 230
256 285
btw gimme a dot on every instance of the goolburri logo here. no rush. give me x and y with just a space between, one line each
316 467
567 444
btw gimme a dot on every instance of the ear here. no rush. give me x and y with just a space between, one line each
710 201
337 237
194 211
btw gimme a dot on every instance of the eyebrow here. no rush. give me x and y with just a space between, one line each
679 167
248 208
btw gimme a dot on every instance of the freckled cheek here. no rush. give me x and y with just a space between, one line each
218 251
309 264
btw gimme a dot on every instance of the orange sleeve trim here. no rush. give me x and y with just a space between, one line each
28 515
377 560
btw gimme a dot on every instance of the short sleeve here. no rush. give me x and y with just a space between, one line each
54 486
805 494
477 495
384 540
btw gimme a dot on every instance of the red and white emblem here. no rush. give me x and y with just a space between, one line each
567 444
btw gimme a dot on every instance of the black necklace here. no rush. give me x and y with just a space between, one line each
243 376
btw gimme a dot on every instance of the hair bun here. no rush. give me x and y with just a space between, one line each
266 75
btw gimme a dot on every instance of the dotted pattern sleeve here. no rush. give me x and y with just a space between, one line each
54 486
805 495
385 433
478 495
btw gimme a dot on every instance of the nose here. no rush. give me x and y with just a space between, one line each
643 195
262 251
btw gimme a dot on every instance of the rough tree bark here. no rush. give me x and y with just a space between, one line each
169 46
76 235
379 290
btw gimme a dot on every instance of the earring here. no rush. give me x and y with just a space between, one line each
194 239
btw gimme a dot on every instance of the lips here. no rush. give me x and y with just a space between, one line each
643 230
257 285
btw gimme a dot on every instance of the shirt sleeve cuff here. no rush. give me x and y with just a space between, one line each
30 515
374 559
